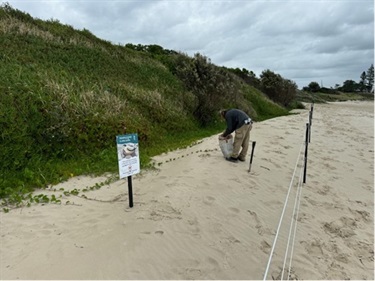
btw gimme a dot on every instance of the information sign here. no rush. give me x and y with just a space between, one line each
128 155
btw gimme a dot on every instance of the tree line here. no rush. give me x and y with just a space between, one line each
364 85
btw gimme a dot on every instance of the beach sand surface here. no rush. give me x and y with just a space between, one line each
198 216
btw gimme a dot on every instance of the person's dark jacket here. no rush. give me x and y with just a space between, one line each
235 119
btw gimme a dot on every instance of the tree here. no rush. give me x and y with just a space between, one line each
350 86
362 83
370 78
314 87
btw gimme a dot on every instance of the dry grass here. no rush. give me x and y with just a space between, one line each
16 26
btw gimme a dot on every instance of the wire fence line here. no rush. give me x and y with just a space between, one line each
301 164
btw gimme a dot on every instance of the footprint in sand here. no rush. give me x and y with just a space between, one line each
361 215
364 204
234 210
323 190
265 247
258 224
277 274
363 251
336 272
326 205
314 247
365 184
163 210
205 155
304 217
271 161
208 200
344 227
337 252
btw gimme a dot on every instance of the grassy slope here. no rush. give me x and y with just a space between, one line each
65 95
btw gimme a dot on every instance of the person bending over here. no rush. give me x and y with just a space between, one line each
240 123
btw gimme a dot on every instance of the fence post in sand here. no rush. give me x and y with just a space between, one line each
252 153
306 148
130 191
310 123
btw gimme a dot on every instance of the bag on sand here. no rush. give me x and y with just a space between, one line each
226 146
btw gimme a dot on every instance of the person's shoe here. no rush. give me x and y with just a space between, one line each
232 159
243 159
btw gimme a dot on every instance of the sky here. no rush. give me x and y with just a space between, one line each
323 41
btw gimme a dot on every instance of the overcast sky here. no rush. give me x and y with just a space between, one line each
326 41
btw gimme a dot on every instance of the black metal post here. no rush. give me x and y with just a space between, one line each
306 148
252 153
130 191
310 123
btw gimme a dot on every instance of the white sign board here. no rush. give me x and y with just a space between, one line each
128 155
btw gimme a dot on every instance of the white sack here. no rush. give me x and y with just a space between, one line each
226 147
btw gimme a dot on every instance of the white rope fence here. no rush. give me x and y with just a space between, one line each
294 218
282 214
295 228
293 225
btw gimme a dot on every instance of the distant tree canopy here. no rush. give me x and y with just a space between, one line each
365 84
313 87
350 86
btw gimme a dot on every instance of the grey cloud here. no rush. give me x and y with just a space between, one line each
301 40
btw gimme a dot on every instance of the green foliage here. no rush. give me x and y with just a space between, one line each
213 87
280 90
314 87
370 79
247 76
350 86
261 107
65 95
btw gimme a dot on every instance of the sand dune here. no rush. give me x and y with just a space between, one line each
200 217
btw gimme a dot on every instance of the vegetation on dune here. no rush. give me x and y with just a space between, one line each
65 95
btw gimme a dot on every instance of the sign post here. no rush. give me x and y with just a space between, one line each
130 191
128 159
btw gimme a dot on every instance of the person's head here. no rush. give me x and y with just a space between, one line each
222 112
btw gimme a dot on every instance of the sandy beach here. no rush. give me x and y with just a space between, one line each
198 216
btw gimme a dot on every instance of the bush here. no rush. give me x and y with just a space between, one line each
278 89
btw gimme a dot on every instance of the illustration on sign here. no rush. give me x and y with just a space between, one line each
128 155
